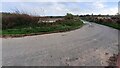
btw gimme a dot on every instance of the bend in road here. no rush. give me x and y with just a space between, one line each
87 46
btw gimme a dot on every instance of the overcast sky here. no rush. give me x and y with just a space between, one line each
60 7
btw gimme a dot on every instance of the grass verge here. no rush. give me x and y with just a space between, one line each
44 28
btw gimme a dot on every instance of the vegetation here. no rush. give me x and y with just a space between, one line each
23 24
69 16
111 21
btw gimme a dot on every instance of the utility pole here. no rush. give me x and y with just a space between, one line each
42 18
119 8
43 12
119 30
118 60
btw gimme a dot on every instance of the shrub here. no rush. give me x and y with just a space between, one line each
14 20
69 16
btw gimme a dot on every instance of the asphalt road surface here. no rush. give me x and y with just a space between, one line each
91 45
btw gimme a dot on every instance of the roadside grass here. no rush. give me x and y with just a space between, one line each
113 25
59 26
17 24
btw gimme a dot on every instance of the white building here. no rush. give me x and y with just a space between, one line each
49 20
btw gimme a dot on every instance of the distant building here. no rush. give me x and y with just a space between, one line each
103 17
119 7
49 20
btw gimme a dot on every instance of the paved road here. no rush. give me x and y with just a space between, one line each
89 45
